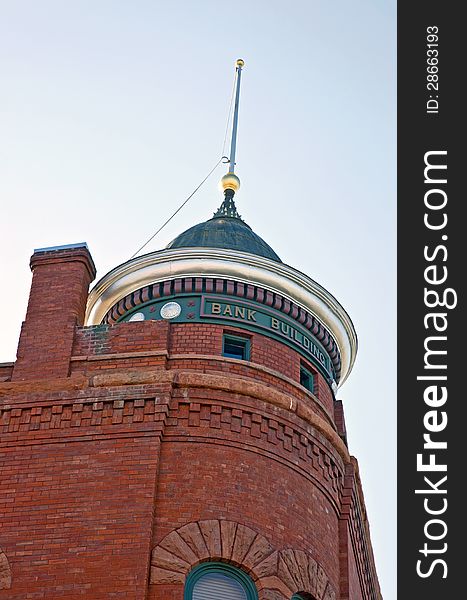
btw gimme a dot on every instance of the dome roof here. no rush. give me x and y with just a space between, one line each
225 230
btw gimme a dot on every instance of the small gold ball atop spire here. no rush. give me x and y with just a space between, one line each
230 182
240 62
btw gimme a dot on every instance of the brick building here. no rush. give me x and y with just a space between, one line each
174 434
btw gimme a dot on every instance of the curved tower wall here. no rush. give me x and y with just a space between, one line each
149 451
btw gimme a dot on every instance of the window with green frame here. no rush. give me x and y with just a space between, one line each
234 346
215 580
306 378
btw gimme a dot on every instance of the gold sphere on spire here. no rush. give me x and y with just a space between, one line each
240 62
230 182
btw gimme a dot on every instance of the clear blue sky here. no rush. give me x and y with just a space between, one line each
111 112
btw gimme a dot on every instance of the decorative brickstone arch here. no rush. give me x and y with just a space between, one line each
5 572
301 573
207 540
295 571
277 574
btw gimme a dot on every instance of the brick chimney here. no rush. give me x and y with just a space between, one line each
57 303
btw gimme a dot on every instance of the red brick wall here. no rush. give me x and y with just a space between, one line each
201 338
77 518
112 437
80 481
126 337
201 481
275 355
205 339
359 579
77 490
196 338
189 346
355 591
57 303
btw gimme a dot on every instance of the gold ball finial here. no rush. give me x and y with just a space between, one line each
240 62
230 182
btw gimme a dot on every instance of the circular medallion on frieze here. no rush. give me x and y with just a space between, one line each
171 310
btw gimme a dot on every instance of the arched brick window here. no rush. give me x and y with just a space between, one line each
213 580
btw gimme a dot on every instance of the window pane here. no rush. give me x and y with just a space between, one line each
216 586
235 348
306 379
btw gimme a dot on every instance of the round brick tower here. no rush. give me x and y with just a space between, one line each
174 434
254 477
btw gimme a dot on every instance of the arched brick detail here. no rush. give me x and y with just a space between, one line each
295 572
278 575
207 540
5 572
301 573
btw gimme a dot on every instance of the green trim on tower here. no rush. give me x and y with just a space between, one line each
249 315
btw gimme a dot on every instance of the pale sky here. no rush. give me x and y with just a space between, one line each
112 112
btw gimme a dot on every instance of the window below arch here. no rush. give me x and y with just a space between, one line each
213 581
307 380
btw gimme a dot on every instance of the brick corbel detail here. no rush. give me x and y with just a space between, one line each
254 389
277 574
189 379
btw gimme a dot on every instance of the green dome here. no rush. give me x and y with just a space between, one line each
225 230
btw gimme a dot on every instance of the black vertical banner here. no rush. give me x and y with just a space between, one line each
432 247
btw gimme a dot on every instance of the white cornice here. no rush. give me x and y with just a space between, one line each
231 264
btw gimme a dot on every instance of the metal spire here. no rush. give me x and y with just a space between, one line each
230 183
233 143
